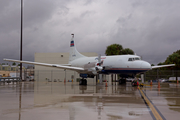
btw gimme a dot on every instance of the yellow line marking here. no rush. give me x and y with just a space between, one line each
154 111
146 85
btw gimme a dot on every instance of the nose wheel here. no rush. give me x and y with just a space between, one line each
83 82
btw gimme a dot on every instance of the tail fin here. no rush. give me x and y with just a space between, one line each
74 54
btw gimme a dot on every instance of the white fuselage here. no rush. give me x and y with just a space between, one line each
114 64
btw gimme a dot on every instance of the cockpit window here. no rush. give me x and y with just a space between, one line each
133 59
137 58
130 59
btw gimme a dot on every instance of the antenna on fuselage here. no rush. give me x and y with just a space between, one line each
72 36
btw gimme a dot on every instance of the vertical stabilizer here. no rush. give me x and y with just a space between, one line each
74 54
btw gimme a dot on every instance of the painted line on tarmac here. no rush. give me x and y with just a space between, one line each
155 113
147 85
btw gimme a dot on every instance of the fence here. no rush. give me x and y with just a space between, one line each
159 74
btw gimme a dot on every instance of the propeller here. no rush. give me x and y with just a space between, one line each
98 64
99 68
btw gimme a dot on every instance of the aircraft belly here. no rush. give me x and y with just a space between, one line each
125 71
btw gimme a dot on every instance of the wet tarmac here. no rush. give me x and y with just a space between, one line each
69 101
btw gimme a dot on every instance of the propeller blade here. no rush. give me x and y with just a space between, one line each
99 59
98 68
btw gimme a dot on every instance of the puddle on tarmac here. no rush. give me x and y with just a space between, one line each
56 100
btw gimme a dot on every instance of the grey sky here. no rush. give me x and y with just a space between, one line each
149 27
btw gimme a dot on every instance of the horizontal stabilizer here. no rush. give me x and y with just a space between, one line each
160 66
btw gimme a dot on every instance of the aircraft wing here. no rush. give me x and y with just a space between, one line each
160 66
65 66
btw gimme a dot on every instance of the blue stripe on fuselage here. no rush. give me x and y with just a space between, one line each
124 71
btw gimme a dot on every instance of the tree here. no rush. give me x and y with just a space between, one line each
127 51
174 59
116 49
152 65
14 63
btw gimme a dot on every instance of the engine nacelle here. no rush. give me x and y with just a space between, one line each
98 68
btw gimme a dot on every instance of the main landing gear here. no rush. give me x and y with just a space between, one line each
82 81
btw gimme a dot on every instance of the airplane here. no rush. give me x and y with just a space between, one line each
88 67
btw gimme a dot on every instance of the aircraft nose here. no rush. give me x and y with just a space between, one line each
145 65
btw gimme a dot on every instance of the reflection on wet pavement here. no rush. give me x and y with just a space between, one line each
166 99
69 101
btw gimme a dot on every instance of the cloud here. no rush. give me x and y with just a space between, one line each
150 28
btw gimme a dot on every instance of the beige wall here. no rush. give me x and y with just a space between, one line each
5 73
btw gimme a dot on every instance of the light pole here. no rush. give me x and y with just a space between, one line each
21 36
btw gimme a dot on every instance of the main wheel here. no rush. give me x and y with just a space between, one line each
85 82
80 82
